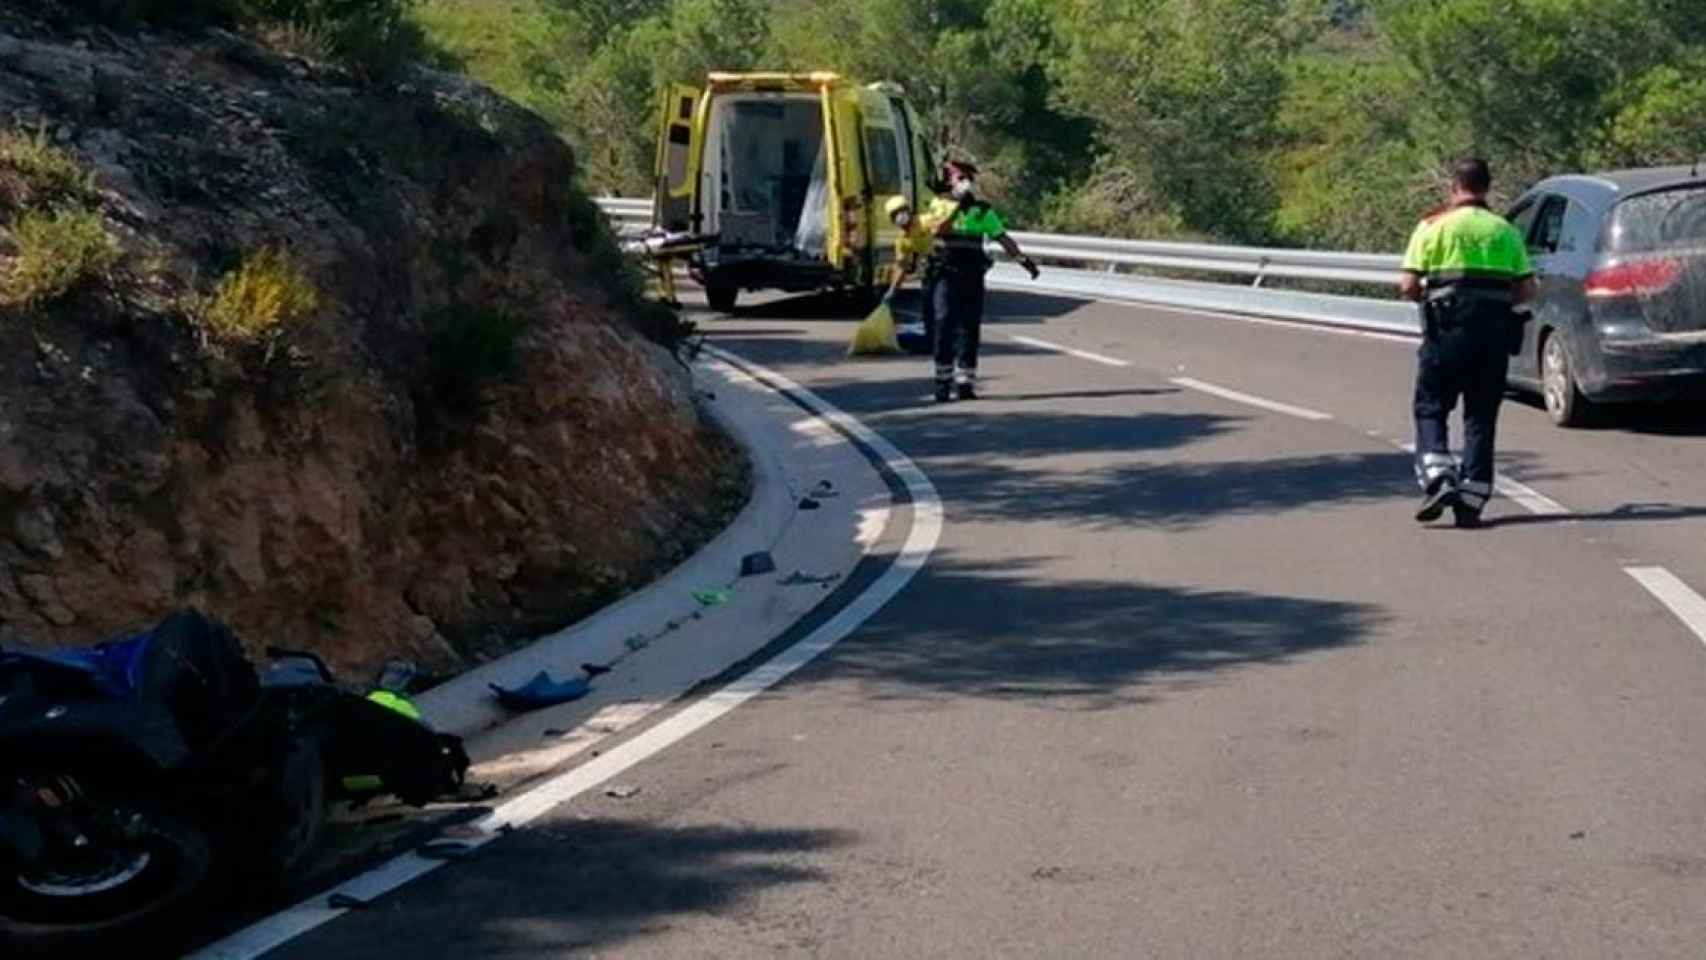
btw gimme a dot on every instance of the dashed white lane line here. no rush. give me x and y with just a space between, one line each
1678 597
1224 393
1069 351
921 540
1529 498
1236 396
1518 492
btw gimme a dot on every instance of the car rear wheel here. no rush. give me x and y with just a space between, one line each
1564 401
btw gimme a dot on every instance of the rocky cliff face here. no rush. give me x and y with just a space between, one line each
350 366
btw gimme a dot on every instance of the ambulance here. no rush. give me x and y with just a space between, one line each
783 177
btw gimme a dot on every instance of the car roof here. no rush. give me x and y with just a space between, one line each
1622 183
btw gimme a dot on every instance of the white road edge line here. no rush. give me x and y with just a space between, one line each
921 540
1080 354
1227 393
1678 597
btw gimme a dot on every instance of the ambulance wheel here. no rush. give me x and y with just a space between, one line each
722 299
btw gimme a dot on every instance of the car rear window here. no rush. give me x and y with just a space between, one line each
1659 221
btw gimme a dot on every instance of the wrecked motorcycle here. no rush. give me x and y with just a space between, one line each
139 777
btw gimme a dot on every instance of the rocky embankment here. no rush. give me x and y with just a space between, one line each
352 365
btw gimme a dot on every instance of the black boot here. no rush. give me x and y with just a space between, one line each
1441 493
1466 517
944 391
967 390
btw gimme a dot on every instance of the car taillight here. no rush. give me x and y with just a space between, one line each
1633 278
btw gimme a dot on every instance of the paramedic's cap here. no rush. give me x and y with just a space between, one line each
894 206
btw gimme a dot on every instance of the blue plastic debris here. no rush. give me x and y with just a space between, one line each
541 691
757 564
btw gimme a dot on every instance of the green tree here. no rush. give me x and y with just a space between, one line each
975 70
1184 94
1327 123
1350 169
1535 84
1661 116
613 99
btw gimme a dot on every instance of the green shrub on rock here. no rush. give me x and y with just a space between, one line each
56 252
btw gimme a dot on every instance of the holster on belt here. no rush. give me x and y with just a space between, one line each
1448 309
1439 314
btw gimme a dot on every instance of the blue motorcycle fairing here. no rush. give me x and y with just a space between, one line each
114 667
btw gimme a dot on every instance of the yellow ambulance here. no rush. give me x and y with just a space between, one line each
785 176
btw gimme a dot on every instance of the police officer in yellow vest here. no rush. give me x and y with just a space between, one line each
1469 269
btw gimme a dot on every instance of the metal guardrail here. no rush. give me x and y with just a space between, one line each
626 210
1259 264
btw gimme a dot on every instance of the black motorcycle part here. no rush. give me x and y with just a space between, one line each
21 840
291 811
410 759
139 869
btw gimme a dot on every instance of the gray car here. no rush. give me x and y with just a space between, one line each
1621 310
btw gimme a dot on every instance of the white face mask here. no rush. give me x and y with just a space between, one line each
902 218
962 188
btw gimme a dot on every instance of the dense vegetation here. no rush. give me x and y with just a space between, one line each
1317 122
375 38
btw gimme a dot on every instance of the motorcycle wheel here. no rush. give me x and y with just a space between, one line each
300 804
127 888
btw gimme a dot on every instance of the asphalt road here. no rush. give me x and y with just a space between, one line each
1183 679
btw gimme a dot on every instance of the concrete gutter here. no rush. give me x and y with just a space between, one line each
786 462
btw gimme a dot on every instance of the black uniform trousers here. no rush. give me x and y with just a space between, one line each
1466 360
957 299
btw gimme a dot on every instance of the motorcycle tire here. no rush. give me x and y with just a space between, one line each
298 802
149 881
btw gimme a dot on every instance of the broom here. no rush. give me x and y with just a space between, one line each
876 333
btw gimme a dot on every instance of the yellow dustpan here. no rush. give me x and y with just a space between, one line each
875 334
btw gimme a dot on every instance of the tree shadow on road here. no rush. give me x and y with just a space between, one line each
811 306
1680 417
1176 495
977 629
902 409
1008 440
570 885
764 346
1013 306
1643 512
1086 394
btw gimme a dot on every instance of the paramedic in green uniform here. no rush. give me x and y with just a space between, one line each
1469 269
964 222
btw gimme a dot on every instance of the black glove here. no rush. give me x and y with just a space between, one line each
1030 267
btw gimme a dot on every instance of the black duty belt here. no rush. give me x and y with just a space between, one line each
960 257
1478 286
1454 308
